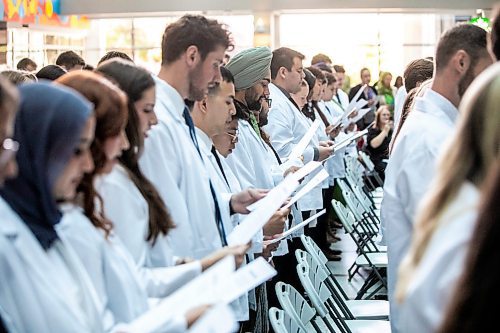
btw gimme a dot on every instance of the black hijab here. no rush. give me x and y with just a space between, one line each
48 128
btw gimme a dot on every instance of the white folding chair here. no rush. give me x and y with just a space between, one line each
297 308
375 261
281 322
350 309
330 314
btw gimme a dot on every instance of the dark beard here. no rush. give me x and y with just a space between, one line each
252 104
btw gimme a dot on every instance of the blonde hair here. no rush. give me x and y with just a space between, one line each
473 150
378 114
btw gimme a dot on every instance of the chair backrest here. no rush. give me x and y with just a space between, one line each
282 322
368 162
353 204
342 214
313 249
316 290
295 306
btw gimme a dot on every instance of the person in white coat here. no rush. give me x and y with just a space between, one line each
192 51
447 217
460 56
43 285
211 117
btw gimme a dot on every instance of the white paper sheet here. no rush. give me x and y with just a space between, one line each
297 227
246 278
199 291
299 148
361 114
316 180
353 102
253 222
219 319
346 142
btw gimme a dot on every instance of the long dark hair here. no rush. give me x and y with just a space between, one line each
314 74
110 108
472 308
134 81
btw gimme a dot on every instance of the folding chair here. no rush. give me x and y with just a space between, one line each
350 309
371 168
297 308
313 249
375 261
281 322
331 315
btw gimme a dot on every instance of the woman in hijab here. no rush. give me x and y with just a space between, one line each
43 287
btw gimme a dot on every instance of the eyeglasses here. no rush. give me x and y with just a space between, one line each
268 100
234 136
9 150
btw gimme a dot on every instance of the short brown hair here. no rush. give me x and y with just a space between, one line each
416 72
321 58
466 37
197 30
339 68
69 59
283 57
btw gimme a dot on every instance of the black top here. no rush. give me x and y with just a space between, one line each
381 152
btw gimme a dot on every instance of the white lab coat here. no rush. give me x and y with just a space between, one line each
256 166
399 101
127 209
286 127
171 162
34 282
112 271
239 306
409 173
434 282
251 159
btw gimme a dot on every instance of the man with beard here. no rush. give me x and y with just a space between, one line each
193 48
460 56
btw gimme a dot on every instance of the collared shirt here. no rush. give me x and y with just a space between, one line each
408 175
172 163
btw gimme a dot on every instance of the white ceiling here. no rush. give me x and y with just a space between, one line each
103 8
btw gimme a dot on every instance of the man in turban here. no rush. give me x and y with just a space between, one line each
254 160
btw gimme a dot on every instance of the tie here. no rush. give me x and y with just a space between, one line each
338 98
218 216
214 152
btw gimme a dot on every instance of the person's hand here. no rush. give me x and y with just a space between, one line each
353 114
290 170
324 152
194 314
371 101
326 143
268 248
241 200
387 127
182 261
238 251
335 132
276 223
